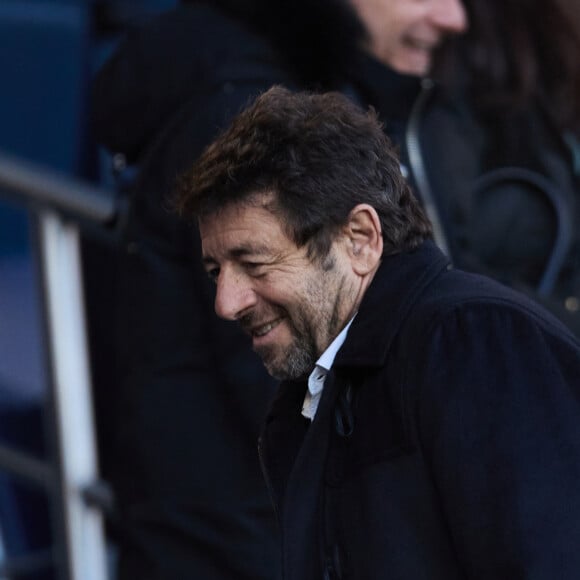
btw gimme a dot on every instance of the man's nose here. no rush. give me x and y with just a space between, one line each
233 295
450 16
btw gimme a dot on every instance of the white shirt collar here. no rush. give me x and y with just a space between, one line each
326 359
318 374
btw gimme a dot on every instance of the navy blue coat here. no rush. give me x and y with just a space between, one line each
447 441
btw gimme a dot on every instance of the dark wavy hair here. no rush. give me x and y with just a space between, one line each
320 155
519 51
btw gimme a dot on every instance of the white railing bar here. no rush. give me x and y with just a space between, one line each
60 248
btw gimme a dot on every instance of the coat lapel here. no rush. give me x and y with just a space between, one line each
396 287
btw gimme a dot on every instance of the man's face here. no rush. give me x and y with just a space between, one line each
405 33
291 306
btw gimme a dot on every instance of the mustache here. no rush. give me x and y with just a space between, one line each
247 322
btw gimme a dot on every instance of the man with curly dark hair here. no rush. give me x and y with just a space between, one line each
428 421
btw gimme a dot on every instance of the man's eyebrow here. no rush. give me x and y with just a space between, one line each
249 249
241 252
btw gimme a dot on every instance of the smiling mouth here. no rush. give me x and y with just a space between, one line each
264 329
422 45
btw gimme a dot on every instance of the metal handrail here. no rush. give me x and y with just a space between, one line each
32 184
23 465
61 205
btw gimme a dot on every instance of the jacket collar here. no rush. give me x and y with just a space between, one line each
395 289
393 93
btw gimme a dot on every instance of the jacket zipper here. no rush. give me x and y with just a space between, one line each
417 164
267 480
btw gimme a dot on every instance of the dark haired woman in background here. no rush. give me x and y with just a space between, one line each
502 153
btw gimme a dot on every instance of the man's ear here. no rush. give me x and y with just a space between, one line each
364 239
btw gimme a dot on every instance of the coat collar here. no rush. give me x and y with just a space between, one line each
393 292
397 285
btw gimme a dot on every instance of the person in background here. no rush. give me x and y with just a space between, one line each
177 405
498 152
427 423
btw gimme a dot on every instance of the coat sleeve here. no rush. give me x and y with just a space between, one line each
499 423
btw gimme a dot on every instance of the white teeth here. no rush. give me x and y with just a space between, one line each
266 328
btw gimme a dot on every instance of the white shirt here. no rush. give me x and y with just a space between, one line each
318 375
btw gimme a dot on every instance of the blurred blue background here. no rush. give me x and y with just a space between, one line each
49 52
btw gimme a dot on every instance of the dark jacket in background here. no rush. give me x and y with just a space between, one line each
507 184
183 418
447 440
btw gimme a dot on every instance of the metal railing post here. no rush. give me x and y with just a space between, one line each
83 526
63 205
